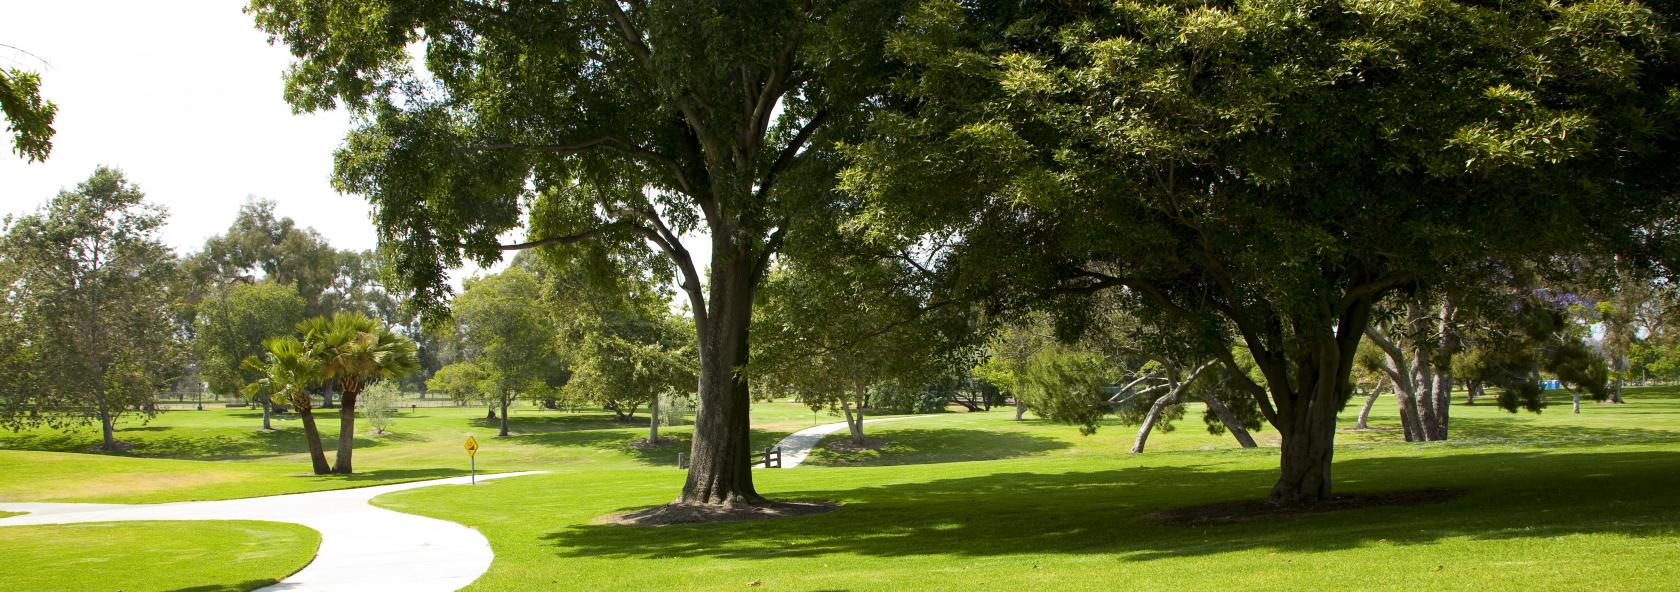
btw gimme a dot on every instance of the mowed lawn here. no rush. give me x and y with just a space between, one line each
971 501
207 556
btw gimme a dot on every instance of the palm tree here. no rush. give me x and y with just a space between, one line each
355 351
288 373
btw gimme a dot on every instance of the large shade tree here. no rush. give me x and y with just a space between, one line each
1278 166
87 305
617 126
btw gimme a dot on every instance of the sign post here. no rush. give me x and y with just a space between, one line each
472 456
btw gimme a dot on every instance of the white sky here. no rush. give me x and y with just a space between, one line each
185 97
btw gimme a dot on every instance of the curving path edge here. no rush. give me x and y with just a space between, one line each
363 547
798 445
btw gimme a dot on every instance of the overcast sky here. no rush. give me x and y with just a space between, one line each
184 97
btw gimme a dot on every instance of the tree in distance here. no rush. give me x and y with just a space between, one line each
86 295
509 337
231 326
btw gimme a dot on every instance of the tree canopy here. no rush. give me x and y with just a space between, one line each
88 305
1273 169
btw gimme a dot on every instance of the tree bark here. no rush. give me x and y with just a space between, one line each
720 472
1020 408
312 438
490 412
1153 416
268 409
107 429
1365 412
505 402
1306 414
653 421
326 397
346 432
1230 420
854 422
1575 407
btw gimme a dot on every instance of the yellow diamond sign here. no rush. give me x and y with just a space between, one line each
472 446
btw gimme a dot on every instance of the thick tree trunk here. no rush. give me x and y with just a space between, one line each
1230 420
1473 391
268 409
326 397
720 472
1306 416
312 438
1020 408
346 433
490 412
1151 418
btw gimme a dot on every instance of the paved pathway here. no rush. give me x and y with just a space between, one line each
363 548
798 445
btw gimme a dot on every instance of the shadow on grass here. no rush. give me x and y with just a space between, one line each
196 443
620 440
559 423
386 476
240 587
1511 496
1478 431
928 446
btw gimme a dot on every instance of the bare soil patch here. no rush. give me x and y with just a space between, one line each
679 513
847 445
645 444
1256 510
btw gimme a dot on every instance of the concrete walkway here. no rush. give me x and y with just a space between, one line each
362 547
798 445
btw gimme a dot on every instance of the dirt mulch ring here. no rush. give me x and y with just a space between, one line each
678 513
1238 512
644 444
847 445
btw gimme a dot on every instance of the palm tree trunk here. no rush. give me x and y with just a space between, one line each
312 437
346 432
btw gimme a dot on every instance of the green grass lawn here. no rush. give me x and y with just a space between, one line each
974 501
211 556
220 454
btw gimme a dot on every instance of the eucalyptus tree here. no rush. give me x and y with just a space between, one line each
614 126
87 295
1275 166
261 245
